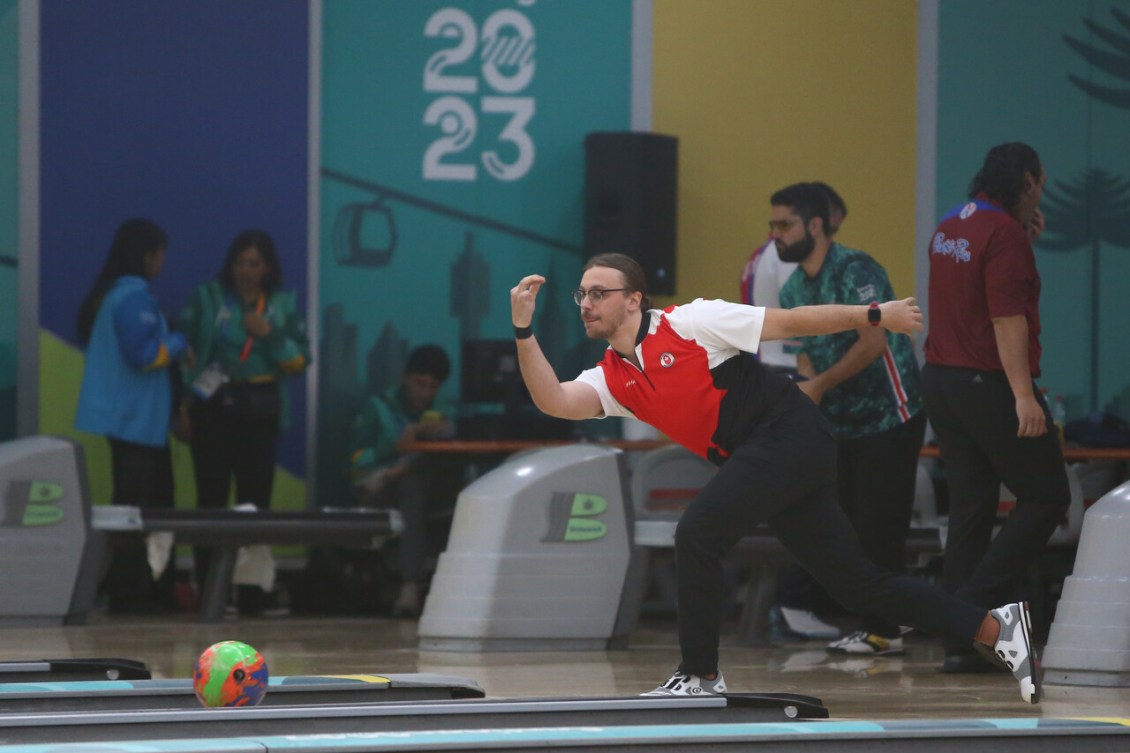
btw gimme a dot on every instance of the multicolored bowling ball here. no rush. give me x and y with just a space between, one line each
230 673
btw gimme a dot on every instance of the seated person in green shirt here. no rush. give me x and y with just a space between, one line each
422 486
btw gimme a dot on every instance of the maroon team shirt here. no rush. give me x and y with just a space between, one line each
981 267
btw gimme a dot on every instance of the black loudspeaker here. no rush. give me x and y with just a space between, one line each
630 201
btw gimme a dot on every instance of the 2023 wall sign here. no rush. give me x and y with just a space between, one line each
505 67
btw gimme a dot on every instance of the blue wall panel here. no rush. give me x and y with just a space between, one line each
193 114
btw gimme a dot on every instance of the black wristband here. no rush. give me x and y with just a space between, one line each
522 333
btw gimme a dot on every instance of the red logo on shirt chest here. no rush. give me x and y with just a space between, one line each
667 360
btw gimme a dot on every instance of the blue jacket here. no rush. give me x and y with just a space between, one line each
126 393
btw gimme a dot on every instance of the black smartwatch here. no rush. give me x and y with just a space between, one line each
874 315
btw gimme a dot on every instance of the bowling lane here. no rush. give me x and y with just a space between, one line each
121 695
925 736
400 717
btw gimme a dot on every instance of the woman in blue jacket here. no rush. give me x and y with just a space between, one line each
126 391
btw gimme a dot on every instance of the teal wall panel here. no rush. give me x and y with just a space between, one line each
453 164
1057 76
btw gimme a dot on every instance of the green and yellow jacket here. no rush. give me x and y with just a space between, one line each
213 323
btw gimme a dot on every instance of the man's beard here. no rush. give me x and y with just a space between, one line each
605 327
794 253
600 331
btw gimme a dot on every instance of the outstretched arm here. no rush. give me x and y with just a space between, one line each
897 316
573 400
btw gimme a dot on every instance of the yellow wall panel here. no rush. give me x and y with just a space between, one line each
764 93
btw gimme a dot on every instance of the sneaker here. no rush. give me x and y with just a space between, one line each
807 625
1014 649
682 683
862 642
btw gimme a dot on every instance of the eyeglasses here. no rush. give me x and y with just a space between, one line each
596 295
781 226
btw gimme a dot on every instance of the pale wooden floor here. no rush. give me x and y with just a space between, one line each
882 688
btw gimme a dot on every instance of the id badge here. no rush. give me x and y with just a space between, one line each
208 381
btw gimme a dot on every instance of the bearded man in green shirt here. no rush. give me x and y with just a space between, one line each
865 381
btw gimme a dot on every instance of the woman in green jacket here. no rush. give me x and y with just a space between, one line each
248 337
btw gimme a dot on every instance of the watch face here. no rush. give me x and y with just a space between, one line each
874 315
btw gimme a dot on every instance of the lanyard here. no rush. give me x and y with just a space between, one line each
246 352
225 315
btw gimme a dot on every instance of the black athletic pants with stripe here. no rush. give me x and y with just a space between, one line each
784 474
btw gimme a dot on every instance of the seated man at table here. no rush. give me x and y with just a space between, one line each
422 486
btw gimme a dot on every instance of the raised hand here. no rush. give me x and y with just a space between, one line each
522 299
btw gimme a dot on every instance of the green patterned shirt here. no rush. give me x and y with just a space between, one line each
886 393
